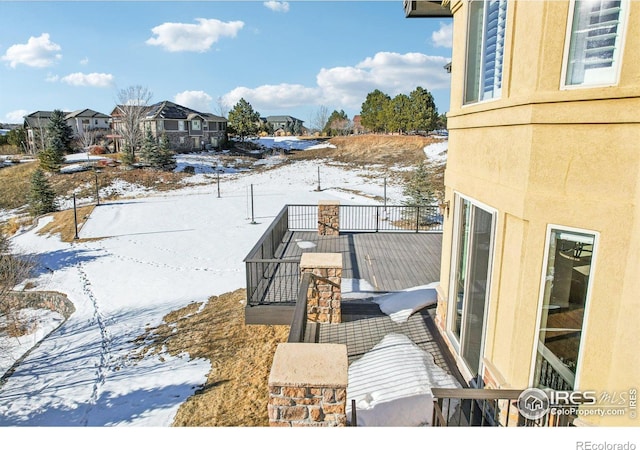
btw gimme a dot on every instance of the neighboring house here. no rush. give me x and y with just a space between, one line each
284 125
80 121
357 125
540 256
88 120
185 128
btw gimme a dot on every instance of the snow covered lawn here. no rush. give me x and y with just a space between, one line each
143 258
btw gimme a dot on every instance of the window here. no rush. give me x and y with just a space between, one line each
195 125
180 125
568 268
594 42
160 125
471 269
485 50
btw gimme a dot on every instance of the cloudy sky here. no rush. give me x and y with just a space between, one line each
282 57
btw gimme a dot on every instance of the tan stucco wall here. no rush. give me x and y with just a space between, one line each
541 155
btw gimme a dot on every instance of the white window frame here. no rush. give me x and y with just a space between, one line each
618 52
452 294
587 304
496 93
196 125
181 126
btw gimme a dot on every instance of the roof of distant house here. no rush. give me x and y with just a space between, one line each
170 110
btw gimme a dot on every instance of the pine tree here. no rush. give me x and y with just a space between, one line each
149 149
59 136
42 198
420 189
50 159
164 159
243 119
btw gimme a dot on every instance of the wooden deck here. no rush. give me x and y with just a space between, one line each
384 261
373 263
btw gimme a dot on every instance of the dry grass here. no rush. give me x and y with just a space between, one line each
14 184
381 149
63 223
236 391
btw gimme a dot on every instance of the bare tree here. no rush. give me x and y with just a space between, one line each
132 107
222 108
320 119
86 138
13 270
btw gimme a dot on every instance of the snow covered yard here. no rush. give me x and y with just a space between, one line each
138 260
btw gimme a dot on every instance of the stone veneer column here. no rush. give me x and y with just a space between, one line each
308 385
325 294
328 217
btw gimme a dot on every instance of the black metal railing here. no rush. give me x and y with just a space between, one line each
395 218
487 407
551 372
371 218
265 268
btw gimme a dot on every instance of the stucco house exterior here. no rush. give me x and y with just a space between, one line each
541 246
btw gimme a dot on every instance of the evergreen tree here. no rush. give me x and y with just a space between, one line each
243 119
336 124
50 159
128 156
149 149
42 198
164 159
420 189
59 134
374 108
423 111
398 114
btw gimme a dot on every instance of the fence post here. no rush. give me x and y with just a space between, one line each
75 217
417 218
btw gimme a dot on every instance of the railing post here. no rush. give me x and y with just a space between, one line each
377 218
417 218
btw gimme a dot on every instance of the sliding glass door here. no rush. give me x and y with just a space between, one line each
566 288
472 259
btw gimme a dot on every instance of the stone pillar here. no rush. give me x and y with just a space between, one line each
308 385
325 293
328 217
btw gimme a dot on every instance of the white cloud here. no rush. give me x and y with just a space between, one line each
37 52
198 100
84 61
88 79
270 97
16 116
186 37
277 6
443 37
347 87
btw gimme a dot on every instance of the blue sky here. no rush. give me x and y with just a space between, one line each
282 57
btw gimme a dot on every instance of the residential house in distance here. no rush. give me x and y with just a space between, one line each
186 128
541 245
357 125
80 121
284 125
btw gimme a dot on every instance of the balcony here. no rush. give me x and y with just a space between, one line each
324 275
